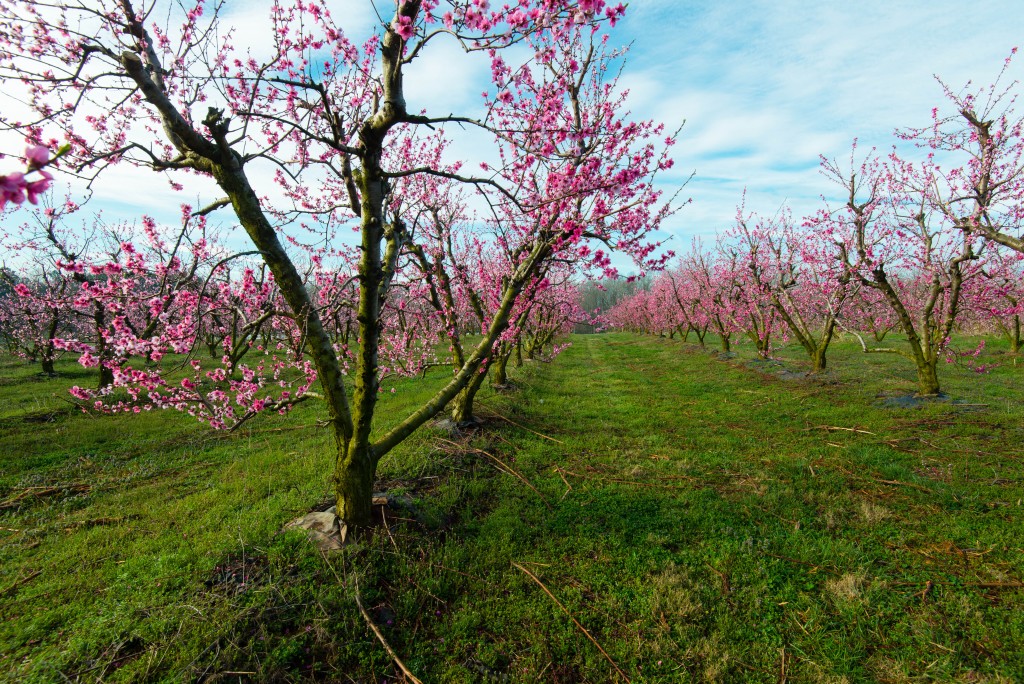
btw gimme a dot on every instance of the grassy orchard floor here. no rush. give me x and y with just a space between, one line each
718 528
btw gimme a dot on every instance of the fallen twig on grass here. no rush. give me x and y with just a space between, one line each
384 519
930 584
503 467
94 522
380 637
509 420
78 675
574 620
994 585
894 444
726 589
835 428
41 491
895 483
27 578
569 486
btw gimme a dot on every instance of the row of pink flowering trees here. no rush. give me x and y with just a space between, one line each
569 176
928 246
122 296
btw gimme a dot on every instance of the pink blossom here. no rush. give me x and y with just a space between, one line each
402 25
12 188
37 156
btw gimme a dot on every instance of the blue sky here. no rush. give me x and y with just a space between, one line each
764 88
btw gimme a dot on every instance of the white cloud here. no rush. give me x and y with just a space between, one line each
254 29
767 87
444 79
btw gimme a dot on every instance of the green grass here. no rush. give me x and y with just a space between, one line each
704 519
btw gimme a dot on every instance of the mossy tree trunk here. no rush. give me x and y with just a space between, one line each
462 405
701 334
49 353
815 347
928 378
819 360
762 343
1011 331
106 378
499 373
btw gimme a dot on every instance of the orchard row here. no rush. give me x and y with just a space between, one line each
927 246
129 296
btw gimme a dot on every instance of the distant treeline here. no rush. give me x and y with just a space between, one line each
601 295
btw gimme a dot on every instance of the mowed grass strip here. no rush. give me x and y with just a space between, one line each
703 519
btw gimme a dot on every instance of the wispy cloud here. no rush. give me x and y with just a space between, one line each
767 87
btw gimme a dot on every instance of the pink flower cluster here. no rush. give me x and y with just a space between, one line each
16 187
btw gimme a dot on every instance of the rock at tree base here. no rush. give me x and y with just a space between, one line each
323 527
327 530
454 429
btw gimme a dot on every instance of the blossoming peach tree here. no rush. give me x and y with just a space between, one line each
569 180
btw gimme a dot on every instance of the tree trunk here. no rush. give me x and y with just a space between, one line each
818 360
99 316
519 353
462 405
48 353
927 378
106 376
726 344
354 474
499 376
